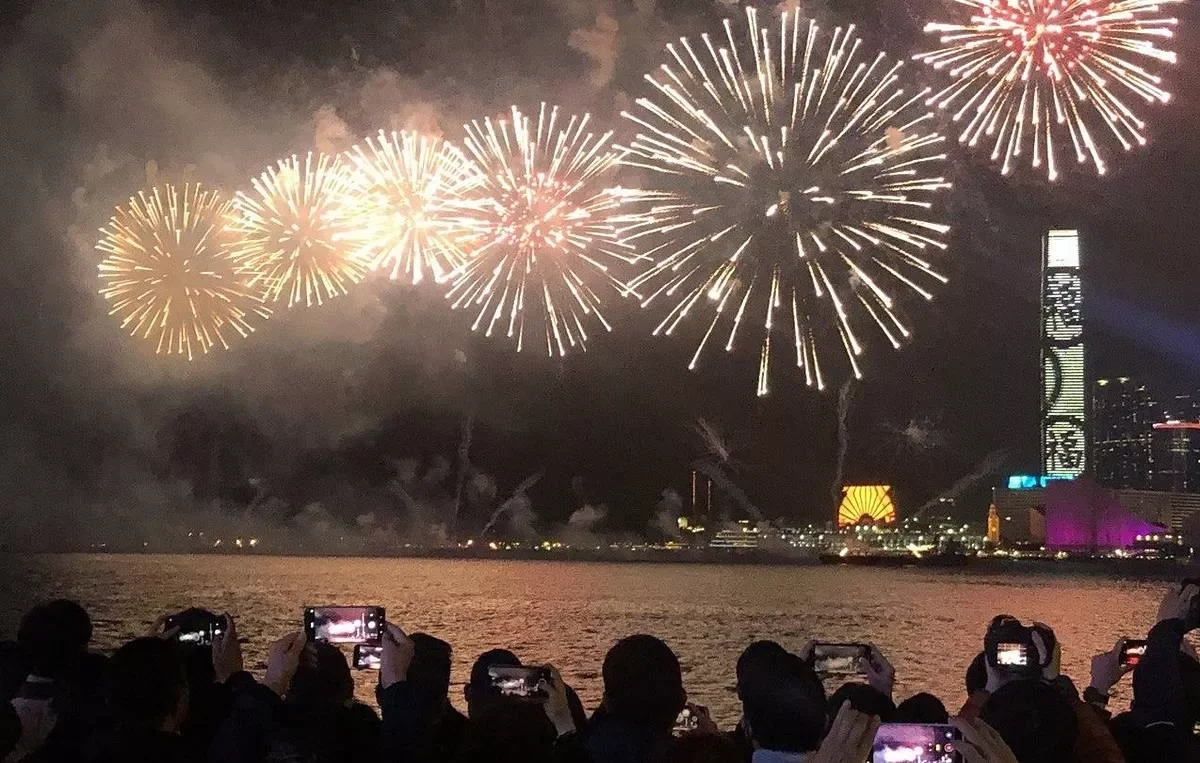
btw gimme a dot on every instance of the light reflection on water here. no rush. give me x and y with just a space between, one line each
929 623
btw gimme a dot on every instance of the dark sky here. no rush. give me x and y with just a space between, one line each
217 89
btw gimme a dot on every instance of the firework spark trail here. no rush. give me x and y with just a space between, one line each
168 274
1036 74
792 183
845 397
299 236
412 190
544 231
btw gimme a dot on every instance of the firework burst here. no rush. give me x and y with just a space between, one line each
412 190
168 275
790 192
1031 75
543 229
298 236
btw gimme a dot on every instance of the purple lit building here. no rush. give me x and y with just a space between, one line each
1080 515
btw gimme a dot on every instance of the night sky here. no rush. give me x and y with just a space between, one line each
322 405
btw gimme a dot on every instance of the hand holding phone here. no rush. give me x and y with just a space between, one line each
1132 651
519 682
195 626
367 657
344 625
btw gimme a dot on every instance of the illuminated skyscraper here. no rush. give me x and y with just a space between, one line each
1123 413
1064 405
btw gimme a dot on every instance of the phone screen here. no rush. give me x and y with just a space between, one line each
1132 651
367 657
197 629
916 743
1012 655
840 659
686 721
518 682
344 625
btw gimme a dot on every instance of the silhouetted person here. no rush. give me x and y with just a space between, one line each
783 706
61 701
643 694
149 695
922 708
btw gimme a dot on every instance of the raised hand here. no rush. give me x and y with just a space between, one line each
849 739
981 743
282 661
227 652
1107 669
880 673
557 708
398 653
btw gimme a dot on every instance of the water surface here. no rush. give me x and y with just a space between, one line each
929 622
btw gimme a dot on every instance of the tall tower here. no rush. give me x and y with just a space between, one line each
1064 386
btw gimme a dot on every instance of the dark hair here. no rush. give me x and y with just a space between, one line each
703 748
865 699
430 669
783 703
322 678
490 658
55 635
922 708
757 660
147 681
1035 719
977 676
643 683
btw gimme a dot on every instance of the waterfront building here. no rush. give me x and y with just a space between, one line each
1123 414
1064 423
1175 465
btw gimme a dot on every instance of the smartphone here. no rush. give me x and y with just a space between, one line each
840 659
916 743
367 657
1132 650
687 721
1012 655
518 682
196 626
344 625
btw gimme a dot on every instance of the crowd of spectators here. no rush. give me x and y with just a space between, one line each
165 699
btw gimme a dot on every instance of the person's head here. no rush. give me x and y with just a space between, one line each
783 704
643 683
322 679
479 690
865 699
55 635
148 684
429 672
759 659
977 677
508 731
922 708
703 748
1035 720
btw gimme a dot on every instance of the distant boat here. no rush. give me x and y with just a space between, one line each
884 559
